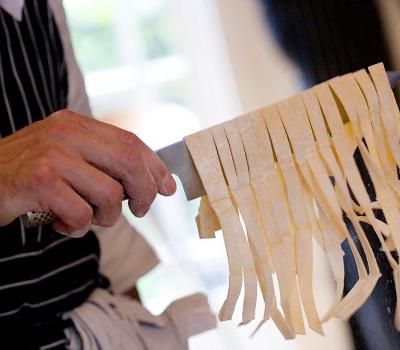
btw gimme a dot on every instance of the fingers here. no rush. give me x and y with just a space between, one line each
165 182
141 190
97 188
75 215
140 170
162 177
117 153
66 164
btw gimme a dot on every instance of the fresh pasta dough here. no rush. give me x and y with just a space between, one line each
283 175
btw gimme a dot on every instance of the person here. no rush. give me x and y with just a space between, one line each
54 157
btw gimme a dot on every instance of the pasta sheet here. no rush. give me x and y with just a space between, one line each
283 175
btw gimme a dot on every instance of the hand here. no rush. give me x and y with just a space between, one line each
78 168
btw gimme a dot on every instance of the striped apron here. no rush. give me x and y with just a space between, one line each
42 273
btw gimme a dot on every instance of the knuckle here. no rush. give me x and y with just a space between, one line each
128 137
57 131
62 113
113 195
43 175
55 117
51 152
162 169
83 216
150 194
153 190
130 157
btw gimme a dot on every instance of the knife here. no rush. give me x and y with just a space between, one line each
179 162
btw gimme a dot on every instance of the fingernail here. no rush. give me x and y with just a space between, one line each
72 234
77 234
168 185
63 230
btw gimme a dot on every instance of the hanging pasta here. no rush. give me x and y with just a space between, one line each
206 159
289 172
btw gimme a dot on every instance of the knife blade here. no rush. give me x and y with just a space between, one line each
178 160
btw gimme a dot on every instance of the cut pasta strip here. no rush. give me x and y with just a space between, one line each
343 195
207 221
344 150
294 116
324 145
260 160
311 210
203 152
248 254
389 111
271 311
352 100
301 221
388 162
334 254
357 110
243 194
281 206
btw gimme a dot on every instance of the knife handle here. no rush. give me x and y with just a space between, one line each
38 218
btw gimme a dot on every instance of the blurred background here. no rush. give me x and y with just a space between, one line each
167 68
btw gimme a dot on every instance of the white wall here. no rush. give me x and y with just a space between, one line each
262 73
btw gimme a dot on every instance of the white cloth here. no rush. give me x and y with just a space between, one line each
109 322
125 255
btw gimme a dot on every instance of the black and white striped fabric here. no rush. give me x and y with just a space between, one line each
42 273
